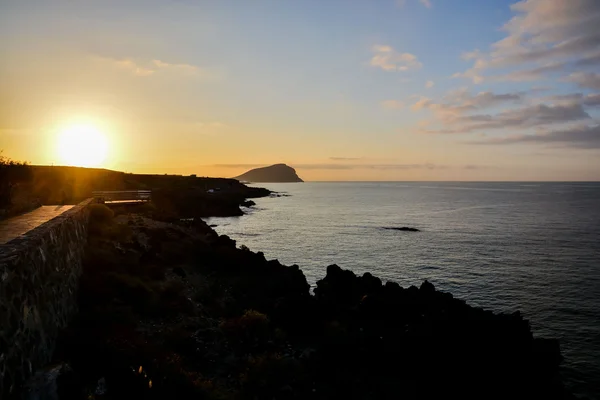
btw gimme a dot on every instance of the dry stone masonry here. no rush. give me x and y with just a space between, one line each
39 274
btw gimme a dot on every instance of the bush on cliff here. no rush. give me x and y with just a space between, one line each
100 214
103 225
13 175
249 330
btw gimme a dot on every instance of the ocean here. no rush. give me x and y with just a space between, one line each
533 247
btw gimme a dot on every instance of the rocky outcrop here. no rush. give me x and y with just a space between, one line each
429 343
273 173
205 319
402 229
39 274
192 202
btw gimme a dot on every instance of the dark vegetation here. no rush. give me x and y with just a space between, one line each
13 175
189 195
23 187
170 309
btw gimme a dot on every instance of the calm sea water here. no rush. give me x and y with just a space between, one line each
533 247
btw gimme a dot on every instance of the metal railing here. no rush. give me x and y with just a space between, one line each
122 196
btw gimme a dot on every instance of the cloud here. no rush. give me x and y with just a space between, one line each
145 69
526 117
429 84
426 3
345 158
182 68
389 59
532 74
591 100
521 118
544 39
588 80
133 67
471 55
462 112
587 137
590 61
461 101
392 104
562 35
333 166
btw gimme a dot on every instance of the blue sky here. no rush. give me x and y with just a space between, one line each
382 90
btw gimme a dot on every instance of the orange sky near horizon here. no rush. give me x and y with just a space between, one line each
211 89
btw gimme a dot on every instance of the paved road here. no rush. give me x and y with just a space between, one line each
14 227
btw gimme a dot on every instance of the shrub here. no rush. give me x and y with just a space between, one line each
134 291
120 232
251 329
147 209
99 213
270 376
12 173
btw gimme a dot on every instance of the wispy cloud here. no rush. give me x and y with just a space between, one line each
132 67
461 112
544 40
589 80
459 102
537 115
531 74
428 166
181 68
543 37
345 158
152 67
429 84
426 3
391 60
582 136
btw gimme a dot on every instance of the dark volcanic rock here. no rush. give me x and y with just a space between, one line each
433 338
403 229
224 322
273 173
426 286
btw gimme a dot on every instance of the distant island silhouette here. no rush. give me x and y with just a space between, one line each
273 173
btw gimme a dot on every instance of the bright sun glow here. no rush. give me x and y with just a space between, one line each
82 145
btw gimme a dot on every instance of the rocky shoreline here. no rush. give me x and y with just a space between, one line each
170 309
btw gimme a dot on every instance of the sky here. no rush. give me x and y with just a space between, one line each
339 89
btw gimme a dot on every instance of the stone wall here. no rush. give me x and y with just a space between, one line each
39 274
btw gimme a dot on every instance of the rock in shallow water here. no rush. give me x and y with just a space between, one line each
402 229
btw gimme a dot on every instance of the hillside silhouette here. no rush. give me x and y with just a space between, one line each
273 173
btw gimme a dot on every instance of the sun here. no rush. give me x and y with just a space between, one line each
82 145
